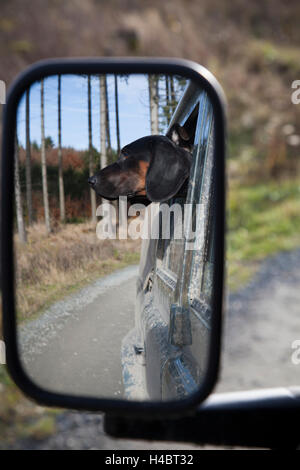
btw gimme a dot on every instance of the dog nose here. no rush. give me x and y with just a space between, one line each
92 180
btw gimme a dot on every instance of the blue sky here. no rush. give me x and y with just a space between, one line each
133 110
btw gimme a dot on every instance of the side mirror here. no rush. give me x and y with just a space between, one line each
144 140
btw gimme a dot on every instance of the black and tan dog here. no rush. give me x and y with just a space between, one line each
155 168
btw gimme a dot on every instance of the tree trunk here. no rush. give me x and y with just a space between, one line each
107 118
28 162
167 90
168 105
153 100
117 114
60 160
103 123
173 97
18 196
44 164
91 160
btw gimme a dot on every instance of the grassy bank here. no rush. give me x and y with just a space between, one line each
19 417
262 219
50 267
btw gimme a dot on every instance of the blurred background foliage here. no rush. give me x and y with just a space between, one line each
253 48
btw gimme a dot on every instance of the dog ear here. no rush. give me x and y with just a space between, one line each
168 170
178 135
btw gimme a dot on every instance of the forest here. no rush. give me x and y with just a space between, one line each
51 179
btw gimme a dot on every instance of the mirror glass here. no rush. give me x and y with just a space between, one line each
114 235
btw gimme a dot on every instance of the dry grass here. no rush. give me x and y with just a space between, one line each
49 267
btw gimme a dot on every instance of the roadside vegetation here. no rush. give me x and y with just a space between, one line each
50 267
20 418
263 219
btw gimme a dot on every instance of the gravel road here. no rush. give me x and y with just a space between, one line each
74 346
261 323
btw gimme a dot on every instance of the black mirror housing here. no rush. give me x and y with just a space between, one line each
204 79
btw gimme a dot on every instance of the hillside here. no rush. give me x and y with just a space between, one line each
252 48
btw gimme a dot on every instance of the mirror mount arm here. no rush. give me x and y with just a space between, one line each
257 418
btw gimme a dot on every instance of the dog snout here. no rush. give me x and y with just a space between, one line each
92 181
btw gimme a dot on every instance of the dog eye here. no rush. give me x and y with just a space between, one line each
124 154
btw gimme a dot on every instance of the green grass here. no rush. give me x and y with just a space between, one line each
19 417
281 58
262 220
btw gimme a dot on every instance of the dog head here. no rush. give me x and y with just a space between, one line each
153 167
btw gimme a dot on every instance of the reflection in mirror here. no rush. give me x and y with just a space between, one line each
114 235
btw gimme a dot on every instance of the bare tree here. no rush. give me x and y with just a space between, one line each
18 196
44 164
169 95
60 160
172 93
107 118
168 111
91 160
167 80
153 101
28 160
117 114
103 122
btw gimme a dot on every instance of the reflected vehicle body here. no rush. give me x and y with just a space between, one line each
173 305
